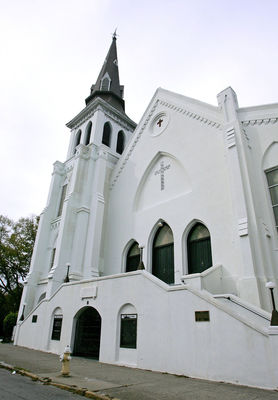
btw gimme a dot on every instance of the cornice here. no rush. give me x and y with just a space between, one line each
260 121
123 160
191 114
118 120
99 104
55 223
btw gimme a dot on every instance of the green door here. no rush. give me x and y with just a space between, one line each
87 334
163 255
199 249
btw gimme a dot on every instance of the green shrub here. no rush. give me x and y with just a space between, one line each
8 324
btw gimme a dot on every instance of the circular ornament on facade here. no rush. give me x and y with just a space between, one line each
159 123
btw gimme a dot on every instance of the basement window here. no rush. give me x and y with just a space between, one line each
34 319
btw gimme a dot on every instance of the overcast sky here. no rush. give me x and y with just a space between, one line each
52 51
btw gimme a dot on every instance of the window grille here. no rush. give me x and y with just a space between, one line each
57 327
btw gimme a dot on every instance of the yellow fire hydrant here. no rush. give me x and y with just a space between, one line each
65 359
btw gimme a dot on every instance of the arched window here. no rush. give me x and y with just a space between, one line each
120 142
77 140
163 254
198 249
88 133
106 136
42 296
52 257
133 257
128 327
61 204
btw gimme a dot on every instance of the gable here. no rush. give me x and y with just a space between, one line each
164 108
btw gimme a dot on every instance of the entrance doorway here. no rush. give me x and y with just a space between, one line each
87 333
199 249
163 254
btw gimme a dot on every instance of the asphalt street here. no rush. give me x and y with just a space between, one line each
17 387
110 380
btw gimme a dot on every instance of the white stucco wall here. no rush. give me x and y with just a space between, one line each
227 348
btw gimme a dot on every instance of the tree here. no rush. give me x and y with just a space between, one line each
17 240
16 245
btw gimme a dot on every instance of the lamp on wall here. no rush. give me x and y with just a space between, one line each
141 264
67 276
274 315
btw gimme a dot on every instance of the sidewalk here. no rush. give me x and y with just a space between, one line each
109 381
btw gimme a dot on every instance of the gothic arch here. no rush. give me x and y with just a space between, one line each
126 250
105 82
161 252
184 186
150 242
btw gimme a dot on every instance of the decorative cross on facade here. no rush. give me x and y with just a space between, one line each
161 173
159 122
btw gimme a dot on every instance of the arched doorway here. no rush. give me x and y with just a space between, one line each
163 254
198 249
133 258
87 333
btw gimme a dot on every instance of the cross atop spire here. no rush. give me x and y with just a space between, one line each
108 85
114 35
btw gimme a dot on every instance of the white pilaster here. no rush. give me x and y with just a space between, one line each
240 190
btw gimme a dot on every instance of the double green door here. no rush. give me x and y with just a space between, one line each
163 263
199 255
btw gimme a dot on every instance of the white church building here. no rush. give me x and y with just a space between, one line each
157 240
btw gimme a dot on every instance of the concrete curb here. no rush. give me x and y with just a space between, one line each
47 381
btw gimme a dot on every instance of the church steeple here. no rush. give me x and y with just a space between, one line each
107 85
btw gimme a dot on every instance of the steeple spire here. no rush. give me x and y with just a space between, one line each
108 85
